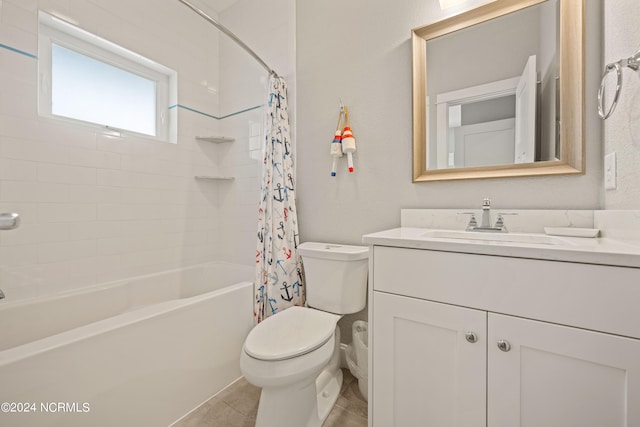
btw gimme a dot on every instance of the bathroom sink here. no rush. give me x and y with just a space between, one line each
541 239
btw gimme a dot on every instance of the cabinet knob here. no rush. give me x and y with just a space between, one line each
504 345
471 337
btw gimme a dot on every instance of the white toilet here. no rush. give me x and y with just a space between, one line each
298 367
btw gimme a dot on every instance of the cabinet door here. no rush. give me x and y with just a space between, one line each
425 371
558 376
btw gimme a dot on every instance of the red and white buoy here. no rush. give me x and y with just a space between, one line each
336 150
336 144
348 141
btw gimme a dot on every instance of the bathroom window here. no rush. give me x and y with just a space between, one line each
87 79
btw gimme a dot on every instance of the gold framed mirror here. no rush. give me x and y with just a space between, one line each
488 124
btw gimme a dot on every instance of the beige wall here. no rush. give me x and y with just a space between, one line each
360 51
622 129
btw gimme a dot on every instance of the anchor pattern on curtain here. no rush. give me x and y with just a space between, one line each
279 280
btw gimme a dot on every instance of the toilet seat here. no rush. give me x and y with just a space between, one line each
291 333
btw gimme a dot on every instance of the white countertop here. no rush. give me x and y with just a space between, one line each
604 251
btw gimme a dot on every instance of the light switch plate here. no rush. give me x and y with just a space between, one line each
610 171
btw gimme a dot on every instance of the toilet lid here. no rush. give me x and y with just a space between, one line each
290 333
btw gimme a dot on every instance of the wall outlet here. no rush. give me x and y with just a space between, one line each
610 171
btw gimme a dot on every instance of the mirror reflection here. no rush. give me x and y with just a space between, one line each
498 91
492 91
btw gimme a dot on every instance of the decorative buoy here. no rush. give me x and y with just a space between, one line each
348 146
348 140
336 150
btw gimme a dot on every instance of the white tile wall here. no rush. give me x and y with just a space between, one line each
95 207
268 27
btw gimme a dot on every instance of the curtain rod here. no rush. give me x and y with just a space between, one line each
229 34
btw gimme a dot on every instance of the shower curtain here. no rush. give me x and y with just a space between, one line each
279 281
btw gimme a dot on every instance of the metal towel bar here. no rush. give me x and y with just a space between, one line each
632 62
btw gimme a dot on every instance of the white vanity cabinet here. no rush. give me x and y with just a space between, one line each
471 340
430 360
556 375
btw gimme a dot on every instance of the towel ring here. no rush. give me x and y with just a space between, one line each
632 62
613 66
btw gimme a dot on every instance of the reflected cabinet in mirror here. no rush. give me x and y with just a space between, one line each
498 91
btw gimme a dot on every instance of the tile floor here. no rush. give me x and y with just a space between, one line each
236 406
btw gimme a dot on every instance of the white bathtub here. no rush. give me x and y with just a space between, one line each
140 352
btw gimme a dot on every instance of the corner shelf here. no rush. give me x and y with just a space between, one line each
215 178
215 139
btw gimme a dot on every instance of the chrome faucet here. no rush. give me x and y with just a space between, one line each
485 222
486 213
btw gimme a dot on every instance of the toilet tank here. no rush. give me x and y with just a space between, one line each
335 276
